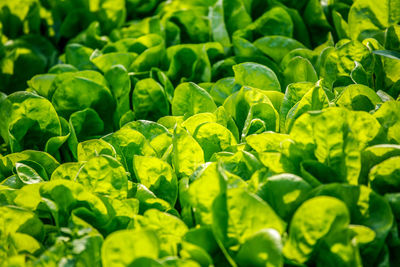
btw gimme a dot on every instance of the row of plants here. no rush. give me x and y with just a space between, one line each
199 133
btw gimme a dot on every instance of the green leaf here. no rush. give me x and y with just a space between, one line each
121 248
149 100
15 219
256 75
248 214
66 99
314 99
207 185
268 141
104 176
187 153
277 47
157 176
293 94
239 103
218 27
120 87
26 174
384 177
37 159
79 56
387 53
284 193
366 208
190 99
299 69
341 151
264 248
275 21
67 171
107 61
241 163
373 155
369 19
94 148
213 138
63 197
313 221
168 228
388 116
358 97
29 121
128 142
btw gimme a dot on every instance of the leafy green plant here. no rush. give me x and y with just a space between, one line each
199 133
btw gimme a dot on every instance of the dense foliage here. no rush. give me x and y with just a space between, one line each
199 133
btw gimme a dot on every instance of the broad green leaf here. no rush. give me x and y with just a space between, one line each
358 97
149 100
193 122
366 208
168 228
388 116
34 158
29 121
384 177
66 99
262 249
347 137
79 56
241 163
315 219
284 193
262 117
248 214
190 99
293 94
67 171
120 87
213 138
268 141
157 176
15 219
107 61
195 253
222 89
256 75
27 174
104 176
314 99
373 155
187 153
94 148
41 83
85 125
121 248
239 103
24 243
63 197
207 185
312 56
218 27
275 21
128 142
369 19
340 62
277 47
299 69
159 137
276 163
